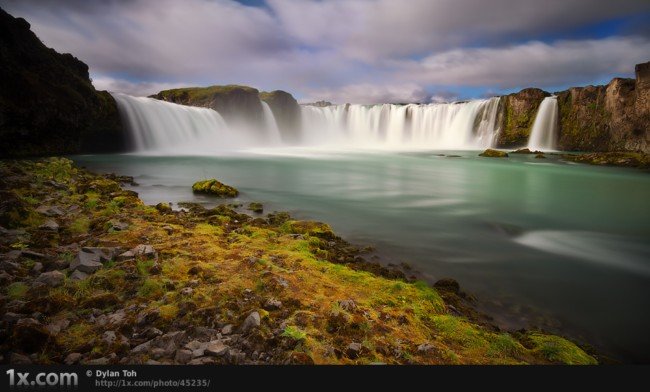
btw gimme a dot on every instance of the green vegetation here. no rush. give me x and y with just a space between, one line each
17 290
214 187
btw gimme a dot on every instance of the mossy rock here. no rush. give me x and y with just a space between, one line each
490 153
214 187
164 208
255 207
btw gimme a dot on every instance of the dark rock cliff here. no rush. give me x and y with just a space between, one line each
518 115
48 104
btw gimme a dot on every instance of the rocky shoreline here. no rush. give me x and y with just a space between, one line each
91 275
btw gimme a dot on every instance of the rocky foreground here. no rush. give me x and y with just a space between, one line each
91 275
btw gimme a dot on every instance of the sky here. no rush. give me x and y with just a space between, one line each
356 51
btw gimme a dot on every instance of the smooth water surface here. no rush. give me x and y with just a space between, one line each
543 243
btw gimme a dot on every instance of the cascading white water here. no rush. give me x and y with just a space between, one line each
544 133
464 125
163 127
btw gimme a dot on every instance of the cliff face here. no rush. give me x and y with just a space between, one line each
287 113
47 102
237 104
615 117
518 115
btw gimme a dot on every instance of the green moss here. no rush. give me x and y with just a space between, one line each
214 187
17 290
80 225
151 288
203 93
256 207
557 349
490 153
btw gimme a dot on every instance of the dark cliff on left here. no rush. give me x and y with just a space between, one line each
48 105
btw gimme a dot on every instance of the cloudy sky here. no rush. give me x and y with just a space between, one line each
360 51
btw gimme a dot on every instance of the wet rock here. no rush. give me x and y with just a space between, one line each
52 278
252 321
353 350
164 208
216 348
78 275
19 359
72 358
49 225
50 211
183 356
30 335
214 187
255 207
540 156
447 284
272 304
490 153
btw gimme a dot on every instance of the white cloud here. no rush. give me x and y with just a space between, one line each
138 89
367 93
529 64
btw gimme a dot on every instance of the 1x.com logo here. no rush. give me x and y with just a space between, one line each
18 379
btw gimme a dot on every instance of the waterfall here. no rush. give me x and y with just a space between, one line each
465 125
164 127
271 124
544 133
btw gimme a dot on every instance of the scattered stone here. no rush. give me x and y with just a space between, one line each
183 356
57 326
353 350
90 259
490 153
187 291
116 318
216 348
252 321
425 347
142 348
98 361
30 335
272 304
73 358
118 225
33 255
197 348
164 208
11 317
49 225
256 207
9 266
37 268
202 361
78 275
236 357
52 278
168 229
347 305
140 251
49 211
157 353
109 337
227 329
19 359
152 362
5 278
447 284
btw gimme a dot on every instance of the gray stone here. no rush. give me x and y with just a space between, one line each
90 259
142 348
109 337
157 353
118 225
9 266
252 321
19 359
49 210
116 318
183 356
33 255
78 275
187 291
52 278
272 304
57 326
425 347
141 252
236 356
49 225
353 350
37 268
5 278
227 330
152 362
11 317
168 229
216 348
72 358
202 361
347 305
98 361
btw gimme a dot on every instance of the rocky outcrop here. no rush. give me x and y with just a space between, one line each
518 115
237 104
48 104
286 111
615 117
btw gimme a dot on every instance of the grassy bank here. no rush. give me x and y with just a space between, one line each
215 286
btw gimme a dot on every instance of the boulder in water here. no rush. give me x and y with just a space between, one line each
490 153
214 187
